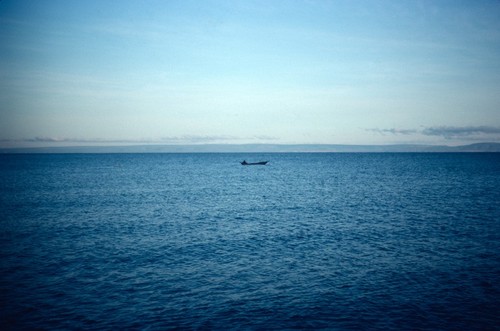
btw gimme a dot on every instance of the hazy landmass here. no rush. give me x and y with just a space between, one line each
261 148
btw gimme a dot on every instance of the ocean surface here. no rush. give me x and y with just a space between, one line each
197 241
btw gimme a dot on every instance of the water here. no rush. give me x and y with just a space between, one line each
197 241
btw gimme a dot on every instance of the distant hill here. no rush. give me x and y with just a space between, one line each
480 147
263 148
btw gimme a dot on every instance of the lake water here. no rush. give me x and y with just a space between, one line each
197 241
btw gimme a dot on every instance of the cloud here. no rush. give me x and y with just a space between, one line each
393 131
71 140
464 131
447 132
170 139
263 137
196 139
184 139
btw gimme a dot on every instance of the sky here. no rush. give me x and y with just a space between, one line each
236 72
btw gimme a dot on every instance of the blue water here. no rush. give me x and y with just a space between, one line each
197 241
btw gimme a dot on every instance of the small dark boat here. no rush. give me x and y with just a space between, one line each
254 163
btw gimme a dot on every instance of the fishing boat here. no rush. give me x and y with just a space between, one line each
254 163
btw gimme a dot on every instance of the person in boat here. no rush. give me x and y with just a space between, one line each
244 162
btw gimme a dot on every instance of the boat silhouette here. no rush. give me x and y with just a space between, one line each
254 163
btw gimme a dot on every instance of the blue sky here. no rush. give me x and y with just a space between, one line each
333 72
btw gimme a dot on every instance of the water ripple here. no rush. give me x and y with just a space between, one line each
311 241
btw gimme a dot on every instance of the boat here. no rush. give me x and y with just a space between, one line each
254 163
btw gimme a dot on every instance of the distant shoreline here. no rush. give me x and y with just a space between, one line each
259 148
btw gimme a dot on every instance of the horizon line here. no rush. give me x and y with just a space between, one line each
254 148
